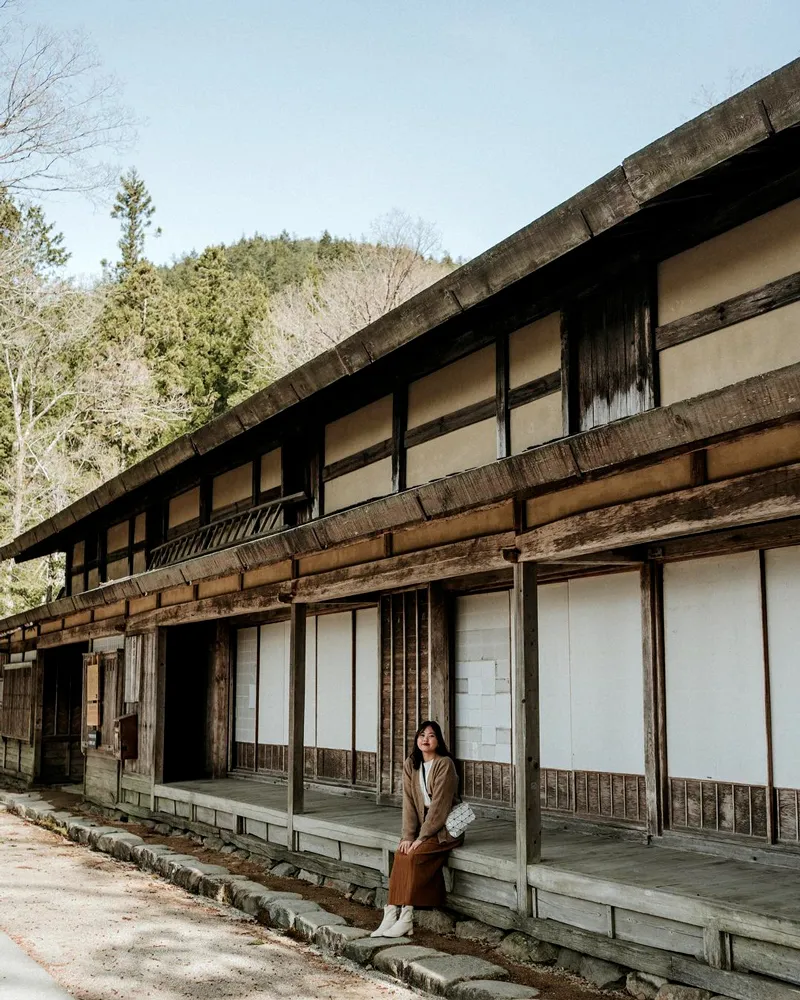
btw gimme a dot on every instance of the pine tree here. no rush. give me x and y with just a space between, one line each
134 207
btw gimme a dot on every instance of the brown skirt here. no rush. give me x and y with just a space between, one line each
417 879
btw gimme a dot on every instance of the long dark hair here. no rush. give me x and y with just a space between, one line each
416 753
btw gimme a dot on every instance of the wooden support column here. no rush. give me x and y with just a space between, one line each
159 653
439 662
653 688
219 689
297 703
526 728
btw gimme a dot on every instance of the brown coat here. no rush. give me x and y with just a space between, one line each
443 790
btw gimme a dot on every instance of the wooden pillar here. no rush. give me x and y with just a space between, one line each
297 704
219 689
654 722
159 653
526 728
439 656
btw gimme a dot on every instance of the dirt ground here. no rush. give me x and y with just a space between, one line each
108 931
554 985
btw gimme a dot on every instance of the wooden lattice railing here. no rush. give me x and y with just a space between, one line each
255 522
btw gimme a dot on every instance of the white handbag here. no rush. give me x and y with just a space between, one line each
459 818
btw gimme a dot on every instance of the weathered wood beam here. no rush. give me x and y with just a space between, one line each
82 633
773 295
472 414
610 558
218 709
526 728
295 790
535 389
653 735
375 452
440 660
739 539
760 496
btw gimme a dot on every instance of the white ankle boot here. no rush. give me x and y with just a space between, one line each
404 925
390 915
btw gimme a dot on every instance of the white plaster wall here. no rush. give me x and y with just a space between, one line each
271 470
108 644
536 422
465 448
468 380
310 718
554 676
783 624
367 679
273 685
534 350
334 681
374 480
737 261
244 696
483 677
714 669
367 426
605 644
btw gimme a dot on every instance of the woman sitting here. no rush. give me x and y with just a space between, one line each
430 786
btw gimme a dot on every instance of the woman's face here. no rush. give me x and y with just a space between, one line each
426 741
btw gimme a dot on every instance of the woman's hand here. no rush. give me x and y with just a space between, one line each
405 846
415 845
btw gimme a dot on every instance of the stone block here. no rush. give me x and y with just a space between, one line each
146 855
438 975
162 829
307 924
362 950
78 829
311 877
282 912
569 960
519 947
436 921
364 896
674 991
216 887
119 845
284 870
394 961
213 843
475 930
643 986
345 888
94 833
167 864
600 973
333 937
490 989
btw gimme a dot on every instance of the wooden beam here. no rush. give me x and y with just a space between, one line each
537 389
439 661
297 699
760 496
652 609
526 728
472 414
745 539
375 452
82 633
160 708
771 296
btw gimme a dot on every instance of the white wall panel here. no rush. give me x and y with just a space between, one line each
714 669
273 685
783 622
554 680
334 681
367 679
310 718
483 677
605 642
245 687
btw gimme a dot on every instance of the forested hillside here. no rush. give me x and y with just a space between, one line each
96 377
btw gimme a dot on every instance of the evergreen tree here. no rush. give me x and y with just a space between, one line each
134 207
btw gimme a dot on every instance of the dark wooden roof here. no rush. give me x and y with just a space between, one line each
736 126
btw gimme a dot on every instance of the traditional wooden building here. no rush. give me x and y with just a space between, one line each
551 501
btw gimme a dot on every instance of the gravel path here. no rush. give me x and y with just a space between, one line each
107 931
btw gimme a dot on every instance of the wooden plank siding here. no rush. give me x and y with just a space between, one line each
404 682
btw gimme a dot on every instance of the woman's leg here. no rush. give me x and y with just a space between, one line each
416 878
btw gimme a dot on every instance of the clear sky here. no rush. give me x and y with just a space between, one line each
304 115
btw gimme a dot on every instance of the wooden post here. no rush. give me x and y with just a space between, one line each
297 704
160 705
501 396
651 630
217 732
439 670
526 728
